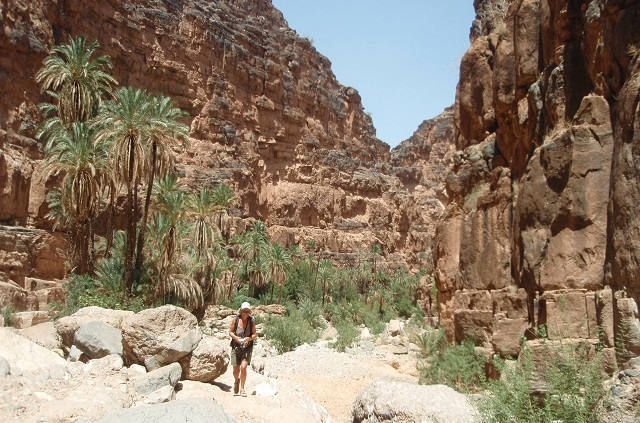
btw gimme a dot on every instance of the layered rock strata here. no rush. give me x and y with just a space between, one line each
266 115
541 234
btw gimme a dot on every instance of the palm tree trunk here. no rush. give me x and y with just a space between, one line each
143 226
280 294
131 225
107 252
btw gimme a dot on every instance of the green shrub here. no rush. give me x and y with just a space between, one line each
84 291
457 366
288 332
575 391
312 312
347 335
6 314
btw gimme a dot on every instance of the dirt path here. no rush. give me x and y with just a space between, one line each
305 377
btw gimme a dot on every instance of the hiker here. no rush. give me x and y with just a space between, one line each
243 333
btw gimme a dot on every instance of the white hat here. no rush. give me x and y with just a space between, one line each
245 306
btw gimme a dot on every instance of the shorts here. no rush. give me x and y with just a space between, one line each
237 357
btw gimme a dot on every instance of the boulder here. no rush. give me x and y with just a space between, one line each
25 319
67 326
28 358
97 340
208 361
179 411
44 334
5 369
159 336
265 389
156 379
392 401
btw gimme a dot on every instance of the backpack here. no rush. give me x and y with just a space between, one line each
233 343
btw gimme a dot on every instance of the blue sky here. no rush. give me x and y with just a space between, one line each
402 56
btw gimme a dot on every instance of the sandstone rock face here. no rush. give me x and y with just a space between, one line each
387 401
159 336
266 115
25 319
179 411
540 229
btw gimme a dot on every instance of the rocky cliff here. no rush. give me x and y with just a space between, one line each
266 115
541 233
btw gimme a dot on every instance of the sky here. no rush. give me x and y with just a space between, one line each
402 56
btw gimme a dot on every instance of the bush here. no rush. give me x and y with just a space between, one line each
575 392
288 332
6 315
347 335
312 312
84 291
457 366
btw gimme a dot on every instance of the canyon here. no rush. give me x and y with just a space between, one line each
523 190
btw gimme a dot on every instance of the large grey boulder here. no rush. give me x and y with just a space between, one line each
158 336
179 411
67 326
394 401
28 358
97 340
156 379
208 361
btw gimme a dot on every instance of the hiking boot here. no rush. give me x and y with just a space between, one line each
236 387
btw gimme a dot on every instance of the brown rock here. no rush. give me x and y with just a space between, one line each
208 361
159 336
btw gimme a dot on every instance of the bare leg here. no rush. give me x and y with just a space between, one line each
243 373
236 375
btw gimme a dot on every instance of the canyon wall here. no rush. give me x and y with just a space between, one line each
540 237
266 115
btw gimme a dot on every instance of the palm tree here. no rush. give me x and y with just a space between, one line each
279 261
251 246
258 270
83 160
325 274
126 123
174 267
75 80
223 197
165 130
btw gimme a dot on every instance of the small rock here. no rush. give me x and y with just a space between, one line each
136 370
632 372
616 391
265 389
394 327
104 365
43 396
164 394
156 379
75 354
